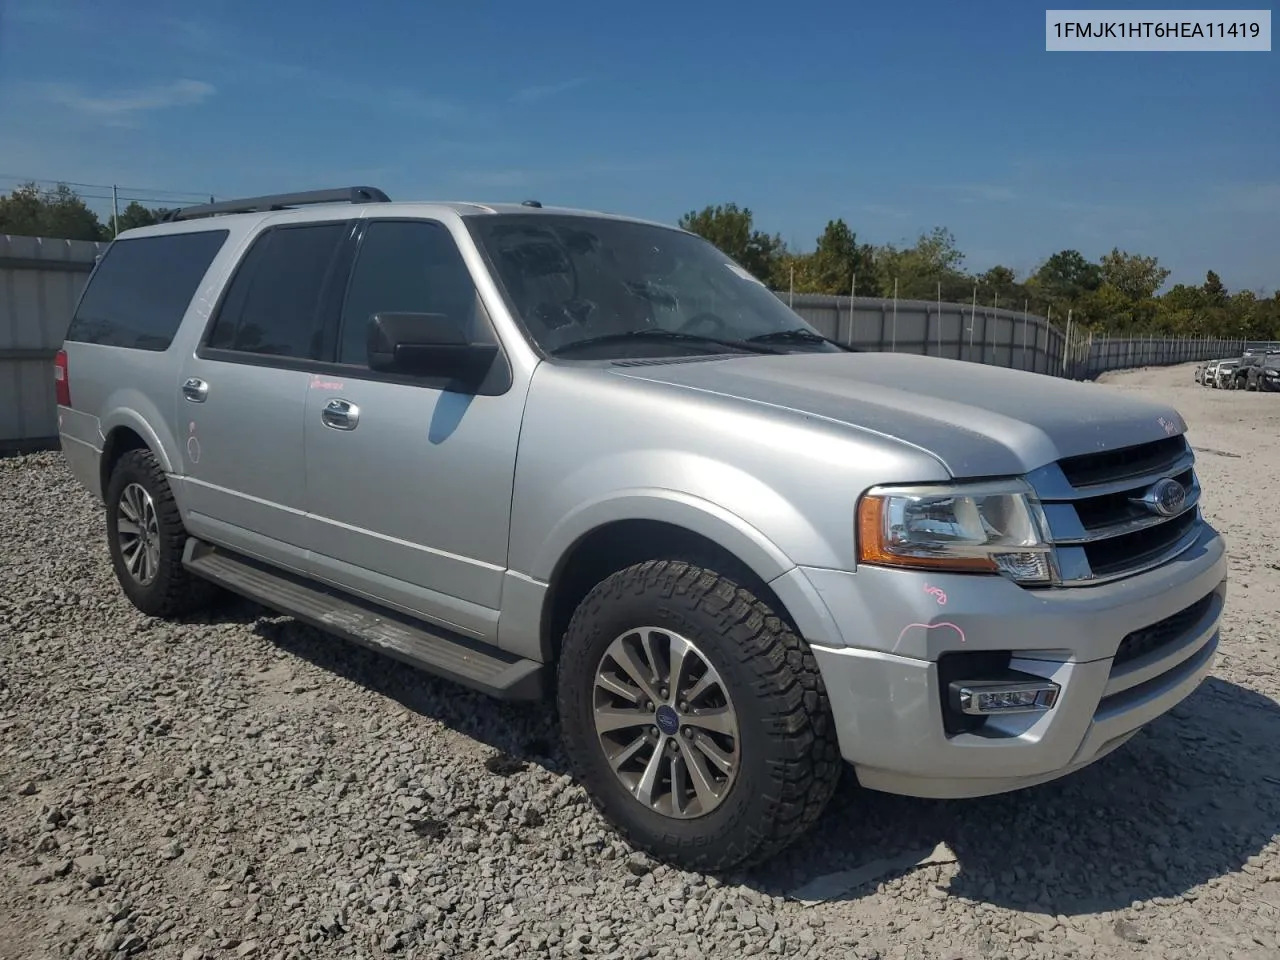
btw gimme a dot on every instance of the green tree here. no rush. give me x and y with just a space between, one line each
22 212
1136 277
1185 311
1108 307
58 213
1214 290
838 257
831 267
731 230
999 278
1063 280
933 260
136 215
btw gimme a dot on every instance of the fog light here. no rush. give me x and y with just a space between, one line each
986 697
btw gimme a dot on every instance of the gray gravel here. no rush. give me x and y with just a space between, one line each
243 786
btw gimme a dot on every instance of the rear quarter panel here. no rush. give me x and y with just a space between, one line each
118 387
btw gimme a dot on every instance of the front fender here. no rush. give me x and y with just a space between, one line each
713 522
692 513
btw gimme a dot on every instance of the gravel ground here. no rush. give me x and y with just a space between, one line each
242 786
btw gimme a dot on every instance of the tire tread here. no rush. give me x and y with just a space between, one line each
786 682
176 591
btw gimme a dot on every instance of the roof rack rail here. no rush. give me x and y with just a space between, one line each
280 201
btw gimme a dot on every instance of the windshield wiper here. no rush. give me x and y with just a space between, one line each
658 333
799 335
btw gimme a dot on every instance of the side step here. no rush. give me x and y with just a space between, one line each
468 662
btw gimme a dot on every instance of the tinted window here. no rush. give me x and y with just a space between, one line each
272 303
405 267
140 292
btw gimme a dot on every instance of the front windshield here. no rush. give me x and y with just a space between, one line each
643 290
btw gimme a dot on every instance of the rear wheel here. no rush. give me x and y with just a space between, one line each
694 717
145 538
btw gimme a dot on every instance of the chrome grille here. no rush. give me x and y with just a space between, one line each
1100 531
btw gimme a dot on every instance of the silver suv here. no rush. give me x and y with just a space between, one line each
555 453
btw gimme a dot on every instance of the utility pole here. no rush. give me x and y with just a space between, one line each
939 318
973 319
853 292
1024 334
894 348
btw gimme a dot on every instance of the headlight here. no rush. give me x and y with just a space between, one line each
969 528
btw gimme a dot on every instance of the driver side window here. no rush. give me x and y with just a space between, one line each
406 267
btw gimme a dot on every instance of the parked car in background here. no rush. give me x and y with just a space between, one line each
1210 373
1222 372
1266 375
1237 377
1199 374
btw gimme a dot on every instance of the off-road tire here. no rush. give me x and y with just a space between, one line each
790 763
174 592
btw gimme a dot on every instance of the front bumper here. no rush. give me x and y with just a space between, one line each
887 699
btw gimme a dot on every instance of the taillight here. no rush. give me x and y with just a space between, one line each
61 380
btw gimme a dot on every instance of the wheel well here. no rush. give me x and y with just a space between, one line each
616 546
119 442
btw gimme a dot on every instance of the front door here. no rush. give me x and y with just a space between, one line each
242 396
408 484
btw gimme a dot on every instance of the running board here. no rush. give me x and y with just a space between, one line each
460 659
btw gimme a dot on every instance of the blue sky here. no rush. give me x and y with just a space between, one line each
896 117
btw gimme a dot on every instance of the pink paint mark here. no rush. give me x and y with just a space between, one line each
318 384
952 628
937 594
1169 427
191 427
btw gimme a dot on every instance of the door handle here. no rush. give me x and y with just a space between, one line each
340 414
195 390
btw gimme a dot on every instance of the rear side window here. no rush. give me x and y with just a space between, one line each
272 304
140 291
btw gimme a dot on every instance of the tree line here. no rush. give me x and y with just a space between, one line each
1119 293
61 214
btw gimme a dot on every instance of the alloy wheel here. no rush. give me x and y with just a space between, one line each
138 533
666 723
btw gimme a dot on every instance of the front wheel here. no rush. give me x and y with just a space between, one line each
694 717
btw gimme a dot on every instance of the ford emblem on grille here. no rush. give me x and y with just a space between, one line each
1166 497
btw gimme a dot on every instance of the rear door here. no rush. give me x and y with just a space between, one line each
408 483
243 394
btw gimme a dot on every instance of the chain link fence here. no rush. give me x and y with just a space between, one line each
1007 338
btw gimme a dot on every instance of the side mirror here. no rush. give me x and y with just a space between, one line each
427 345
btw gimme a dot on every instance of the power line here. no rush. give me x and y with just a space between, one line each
159 201
153 193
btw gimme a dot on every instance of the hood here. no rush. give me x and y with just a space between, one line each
978 420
